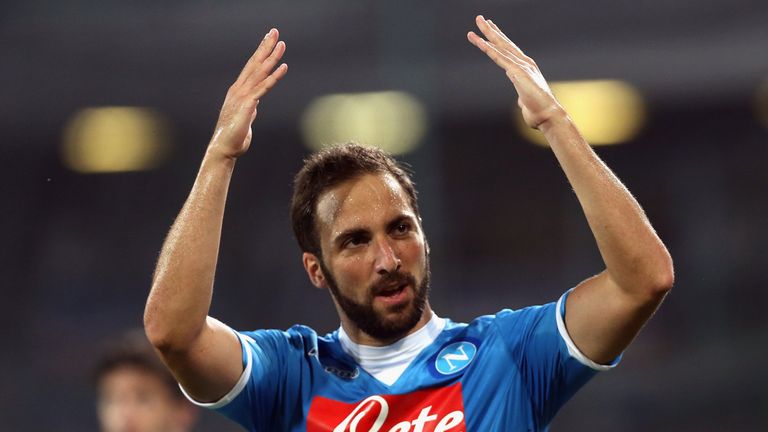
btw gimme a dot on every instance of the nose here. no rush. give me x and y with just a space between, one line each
387 260
121 416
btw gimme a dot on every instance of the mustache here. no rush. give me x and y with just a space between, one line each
392 280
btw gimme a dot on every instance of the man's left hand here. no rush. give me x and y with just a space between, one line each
535 97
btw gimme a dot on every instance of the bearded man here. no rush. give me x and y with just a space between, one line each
394 365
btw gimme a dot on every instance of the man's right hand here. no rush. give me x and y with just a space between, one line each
232 136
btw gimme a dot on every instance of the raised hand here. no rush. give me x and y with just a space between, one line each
232 136
534 95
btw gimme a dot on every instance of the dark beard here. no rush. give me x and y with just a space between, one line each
365 316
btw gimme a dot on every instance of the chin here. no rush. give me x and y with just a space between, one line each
402 321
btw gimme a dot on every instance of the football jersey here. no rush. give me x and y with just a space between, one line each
510 371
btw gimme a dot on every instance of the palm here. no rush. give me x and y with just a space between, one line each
234 128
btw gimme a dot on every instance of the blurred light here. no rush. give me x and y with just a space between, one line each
393 121
115 139
761 102
605 111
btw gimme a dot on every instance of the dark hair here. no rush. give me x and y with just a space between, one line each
132 349
331 167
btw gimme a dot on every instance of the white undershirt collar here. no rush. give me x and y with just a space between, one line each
387 363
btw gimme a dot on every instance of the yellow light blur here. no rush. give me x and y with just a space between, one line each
391 120
115 139
761 102
605 111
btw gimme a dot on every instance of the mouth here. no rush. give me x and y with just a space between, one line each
394 295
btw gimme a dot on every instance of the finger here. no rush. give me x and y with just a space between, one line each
266 66
253 111
487 30
265 48
265 86
500 58
270 62
498 31
513 45
267 45
497 37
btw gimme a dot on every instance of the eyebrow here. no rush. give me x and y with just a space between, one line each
349 233
358 231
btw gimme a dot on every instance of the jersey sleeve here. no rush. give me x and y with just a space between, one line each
255 400
551 365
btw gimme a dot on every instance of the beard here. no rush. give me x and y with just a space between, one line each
375 323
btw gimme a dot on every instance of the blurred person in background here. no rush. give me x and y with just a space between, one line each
394 365
135 391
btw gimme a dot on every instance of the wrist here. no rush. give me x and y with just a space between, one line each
214 156
557 118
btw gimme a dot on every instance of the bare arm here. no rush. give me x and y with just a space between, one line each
605 312
203 353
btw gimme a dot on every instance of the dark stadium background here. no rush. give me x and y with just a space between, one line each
77 250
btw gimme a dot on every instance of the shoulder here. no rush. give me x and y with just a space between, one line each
298 338
509 319
514 329
527 316
504 320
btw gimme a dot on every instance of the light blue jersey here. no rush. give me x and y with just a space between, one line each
511 371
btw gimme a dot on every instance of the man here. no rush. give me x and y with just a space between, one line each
394 365
135 392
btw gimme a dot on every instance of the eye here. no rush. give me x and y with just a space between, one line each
403 228
355 241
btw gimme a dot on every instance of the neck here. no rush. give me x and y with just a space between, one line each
362 338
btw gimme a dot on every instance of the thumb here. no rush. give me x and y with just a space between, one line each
255 111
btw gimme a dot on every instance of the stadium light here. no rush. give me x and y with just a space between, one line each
115 139
391 120
605 111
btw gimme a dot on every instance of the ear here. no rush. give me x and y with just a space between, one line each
314 270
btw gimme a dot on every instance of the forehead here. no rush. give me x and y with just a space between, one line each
362 201
129 379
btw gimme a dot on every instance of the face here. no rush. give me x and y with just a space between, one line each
134 400
374 257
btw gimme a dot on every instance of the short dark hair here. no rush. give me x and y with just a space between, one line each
331 167
132 349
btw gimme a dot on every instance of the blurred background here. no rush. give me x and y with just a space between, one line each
106 109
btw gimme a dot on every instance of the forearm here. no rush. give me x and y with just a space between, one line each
635 258
182 285
203 353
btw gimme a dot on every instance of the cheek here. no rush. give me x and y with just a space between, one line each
351 272
415 253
